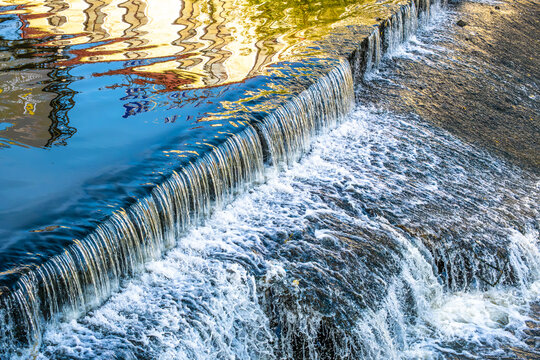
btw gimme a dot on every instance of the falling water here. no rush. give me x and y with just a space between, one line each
286 132
393 32
319 262
325 259
404 23
89 270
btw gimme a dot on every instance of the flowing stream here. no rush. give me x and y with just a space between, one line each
332 258
327 230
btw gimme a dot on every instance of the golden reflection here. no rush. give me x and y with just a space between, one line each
185 43
25 109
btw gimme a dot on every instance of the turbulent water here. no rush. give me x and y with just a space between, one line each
388 238
318 262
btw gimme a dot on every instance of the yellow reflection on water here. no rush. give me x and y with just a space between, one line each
194 43
24 109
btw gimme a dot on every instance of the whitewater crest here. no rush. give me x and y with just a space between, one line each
89 270
319 261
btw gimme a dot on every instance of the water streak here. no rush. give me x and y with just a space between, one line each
390 274
286 132
89 270
318 263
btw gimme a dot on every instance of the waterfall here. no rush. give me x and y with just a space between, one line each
388 36
416 305
89 270
286 132
373 52
317 263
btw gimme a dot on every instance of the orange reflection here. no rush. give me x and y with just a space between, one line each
198 43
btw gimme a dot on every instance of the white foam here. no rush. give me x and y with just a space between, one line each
204 300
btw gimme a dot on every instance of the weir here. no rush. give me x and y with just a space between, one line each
88 271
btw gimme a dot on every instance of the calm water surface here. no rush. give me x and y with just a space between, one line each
100 100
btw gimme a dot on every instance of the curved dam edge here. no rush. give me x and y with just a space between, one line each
89 270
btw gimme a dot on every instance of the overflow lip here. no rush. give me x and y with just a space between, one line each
348 45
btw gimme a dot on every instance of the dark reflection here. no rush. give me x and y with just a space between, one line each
34 95
60 129
24 111
34 98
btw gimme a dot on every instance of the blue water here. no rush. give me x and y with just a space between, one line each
84 135
245 229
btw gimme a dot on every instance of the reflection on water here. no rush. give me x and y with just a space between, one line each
160 46
191 43
24 109
114 90
136 90
34 105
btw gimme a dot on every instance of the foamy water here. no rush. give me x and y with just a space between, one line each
374 174
390 238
